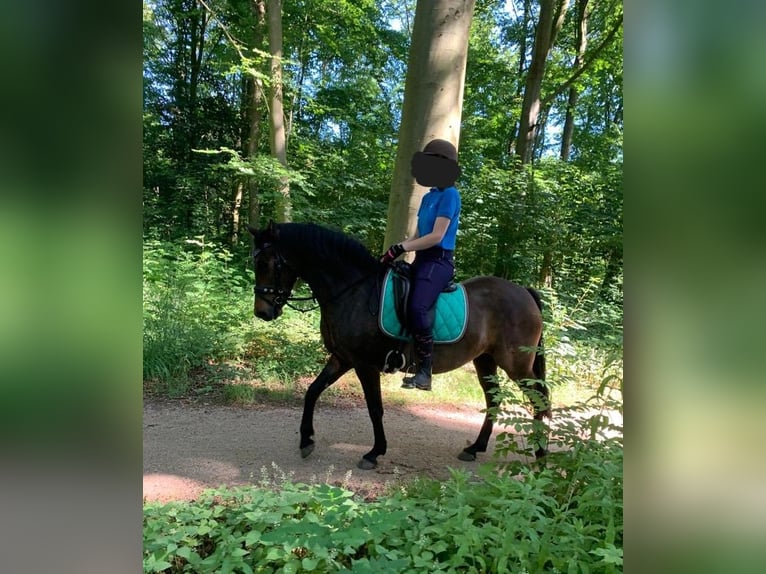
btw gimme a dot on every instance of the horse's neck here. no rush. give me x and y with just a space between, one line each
326 281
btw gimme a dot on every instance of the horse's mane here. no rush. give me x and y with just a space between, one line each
326 247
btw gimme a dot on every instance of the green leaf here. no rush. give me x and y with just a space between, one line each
609 555
252 537
274 553
157 565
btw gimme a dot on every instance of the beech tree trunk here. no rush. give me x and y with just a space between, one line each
277 132
549 22
433 101
255 113
581 39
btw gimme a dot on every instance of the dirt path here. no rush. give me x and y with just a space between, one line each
189 448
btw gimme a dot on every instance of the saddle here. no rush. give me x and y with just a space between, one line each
449 315
401 283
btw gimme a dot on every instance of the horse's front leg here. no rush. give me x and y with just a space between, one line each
332 371
370 379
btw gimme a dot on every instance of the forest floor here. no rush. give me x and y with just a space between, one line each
192 446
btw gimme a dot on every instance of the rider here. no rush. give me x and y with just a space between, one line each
434 243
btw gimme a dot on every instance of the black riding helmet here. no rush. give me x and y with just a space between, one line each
436 165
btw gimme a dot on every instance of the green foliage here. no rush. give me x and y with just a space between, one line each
553 223
198 312
196 309
290 348
565 517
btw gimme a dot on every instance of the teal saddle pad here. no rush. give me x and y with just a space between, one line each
450 319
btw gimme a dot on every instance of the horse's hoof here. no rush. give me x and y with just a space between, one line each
467 456
307 450
365 464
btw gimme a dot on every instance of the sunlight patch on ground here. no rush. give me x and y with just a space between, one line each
456 419
350 448
166 487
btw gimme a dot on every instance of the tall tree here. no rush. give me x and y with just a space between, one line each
581 43
255 114
277 131
551 17
433 100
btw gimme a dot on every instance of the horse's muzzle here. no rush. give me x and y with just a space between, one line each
268 312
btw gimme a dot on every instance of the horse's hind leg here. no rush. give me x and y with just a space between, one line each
486 369
332 371
529 379
538 394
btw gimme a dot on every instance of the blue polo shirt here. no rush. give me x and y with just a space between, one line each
440 203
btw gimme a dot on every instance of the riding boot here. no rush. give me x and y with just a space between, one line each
424 345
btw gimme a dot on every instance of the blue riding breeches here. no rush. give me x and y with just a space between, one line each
432 270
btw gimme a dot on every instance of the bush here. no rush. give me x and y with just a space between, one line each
196 308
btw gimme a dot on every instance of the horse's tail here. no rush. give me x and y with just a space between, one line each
538 367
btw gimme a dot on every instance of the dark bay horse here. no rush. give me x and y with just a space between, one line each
504 326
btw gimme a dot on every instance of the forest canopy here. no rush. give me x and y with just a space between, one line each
546 211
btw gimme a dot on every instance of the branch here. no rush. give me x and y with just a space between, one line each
235 44
586 64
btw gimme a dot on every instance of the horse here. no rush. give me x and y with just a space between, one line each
504 325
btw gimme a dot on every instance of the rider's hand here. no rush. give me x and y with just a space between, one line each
393 252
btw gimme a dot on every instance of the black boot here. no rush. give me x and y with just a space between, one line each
424 345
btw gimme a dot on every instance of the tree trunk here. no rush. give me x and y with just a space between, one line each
277 132
433 101
546 269
520 71
581 39
236 204
295 106
255 114
549 22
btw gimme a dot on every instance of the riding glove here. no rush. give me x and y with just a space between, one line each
393 252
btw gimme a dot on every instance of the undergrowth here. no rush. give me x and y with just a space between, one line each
195 310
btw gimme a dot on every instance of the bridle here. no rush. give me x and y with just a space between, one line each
279 295
282 296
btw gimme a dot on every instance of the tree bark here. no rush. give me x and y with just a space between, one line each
236 204
277 132
546 269
581 39
255 113
433 101
549 22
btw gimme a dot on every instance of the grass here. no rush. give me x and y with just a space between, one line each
236 383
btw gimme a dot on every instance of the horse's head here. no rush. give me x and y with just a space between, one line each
274 278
